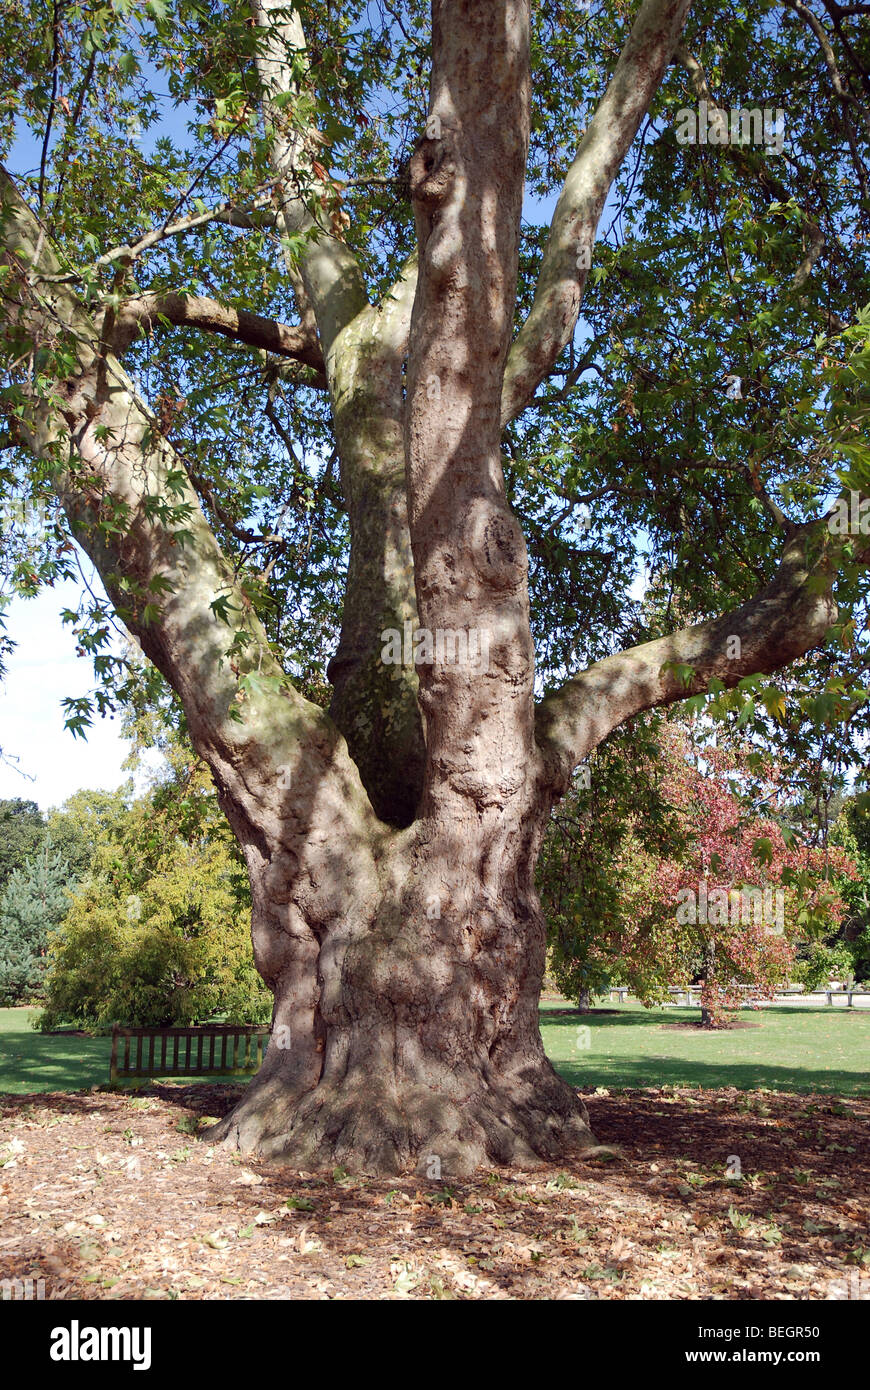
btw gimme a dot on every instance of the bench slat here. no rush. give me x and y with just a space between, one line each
188 1055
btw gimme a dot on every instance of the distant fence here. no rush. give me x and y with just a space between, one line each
692 994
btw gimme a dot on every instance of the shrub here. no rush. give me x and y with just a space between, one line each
822 963
176 952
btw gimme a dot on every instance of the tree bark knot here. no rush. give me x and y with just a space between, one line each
498 548
432 171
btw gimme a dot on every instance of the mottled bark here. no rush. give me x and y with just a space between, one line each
375 701
374 705
144 312
789 617
283 774
432 1052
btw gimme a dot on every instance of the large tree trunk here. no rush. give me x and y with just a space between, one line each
419 1045
426 1023
428 992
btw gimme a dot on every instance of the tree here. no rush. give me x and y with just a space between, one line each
848 951
82 825
597 869
33 903
391 839
748 892
680 871
173 953
158 931
22 831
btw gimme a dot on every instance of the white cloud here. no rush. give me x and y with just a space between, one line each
639 585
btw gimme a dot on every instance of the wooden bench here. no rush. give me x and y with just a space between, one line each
832 994
691 994
620 990
226 1049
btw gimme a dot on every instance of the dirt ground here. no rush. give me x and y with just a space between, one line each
112 1196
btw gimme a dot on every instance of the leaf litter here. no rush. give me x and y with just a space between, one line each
691 1194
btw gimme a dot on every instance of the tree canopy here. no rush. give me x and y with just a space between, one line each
33 903
690 873
710 262
22 830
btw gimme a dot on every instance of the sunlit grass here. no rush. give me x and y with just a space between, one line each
791 1049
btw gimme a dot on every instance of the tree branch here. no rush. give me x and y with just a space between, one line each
561 281
754 163
145 311
228 213
786 619
49 120
330 272
363 347
841 89
133 509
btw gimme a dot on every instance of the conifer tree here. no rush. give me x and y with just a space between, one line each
33 903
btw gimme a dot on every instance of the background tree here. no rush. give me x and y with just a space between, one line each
685 827
158 933
81 825
175 951
22 831
736 858
597 867
34 901
845 954
302 376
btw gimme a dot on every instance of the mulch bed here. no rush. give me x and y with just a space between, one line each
689 1027
112 1196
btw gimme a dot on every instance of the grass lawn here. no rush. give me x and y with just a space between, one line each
793 1049
31 1061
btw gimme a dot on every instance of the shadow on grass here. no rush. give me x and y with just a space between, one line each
745 1076
631 1060
627 1018
32 1061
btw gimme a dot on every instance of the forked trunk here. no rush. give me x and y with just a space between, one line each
391 845
428 988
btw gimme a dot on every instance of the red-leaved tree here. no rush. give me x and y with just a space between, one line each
698 876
